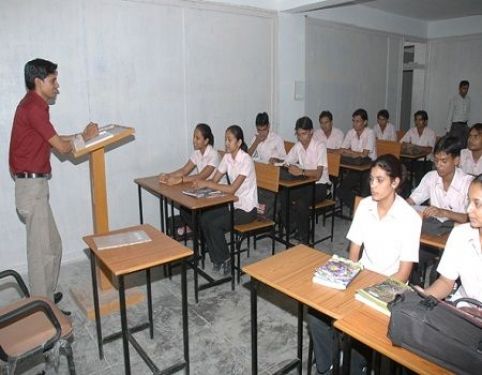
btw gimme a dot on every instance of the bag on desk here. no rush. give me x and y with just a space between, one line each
438 331
433 226
350 160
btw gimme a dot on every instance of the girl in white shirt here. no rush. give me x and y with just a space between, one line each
239 167
389 229
204 158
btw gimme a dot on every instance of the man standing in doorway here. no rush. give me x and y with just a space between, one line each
31 141
459 111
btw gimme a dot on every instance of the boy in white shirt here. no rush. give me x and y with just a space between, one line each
332 137
421 135
384 130
359 142
266 146
470 158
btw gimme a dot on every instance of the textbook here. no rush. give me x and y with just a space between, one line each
337 273
203 193
379 295
112 241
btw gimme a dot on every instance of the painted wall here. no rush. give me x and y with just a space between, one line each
160 67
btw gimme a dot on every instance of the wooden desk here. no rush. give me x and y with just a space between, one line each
431 240
370 328
288 185
129 259
412 158
291 273
174 194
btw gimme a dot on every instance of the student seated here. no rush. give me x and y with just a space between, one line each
389 230
359 142
306 158
266 146
470 158
239 167
446 187
384 130
329 135
424 137
204 160
462 255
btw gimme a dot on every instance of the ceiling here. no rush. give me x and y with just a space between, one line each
426 10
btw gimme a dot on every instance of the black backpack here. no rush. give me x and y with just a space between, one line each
438 331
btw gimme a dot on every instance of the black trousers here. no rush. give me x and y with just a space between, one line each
460 130
300 201
215 223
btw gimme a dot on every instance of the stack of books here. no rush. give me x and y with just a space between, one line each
337 273
380 295
203 193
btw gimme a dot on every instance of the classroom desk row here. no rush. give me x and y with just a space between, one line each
291 273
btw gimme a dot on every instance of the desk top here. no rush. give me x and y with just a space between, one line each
127 259
370 327
357 168
437 242
291 273
295 183
174 193
414 156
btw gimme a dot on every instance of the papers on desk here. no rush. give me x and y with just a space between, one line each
112 241
105 133
380 295
337 273
203 193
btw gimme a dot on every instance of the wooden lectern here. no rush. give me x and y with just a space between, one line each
95 148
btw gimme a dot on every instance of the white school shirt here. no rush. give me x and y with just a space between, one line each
210 157
311 158
467 163
365 142
462 258
454 199
459 109
388 241
242 165
389 134
272 147
426 139
335 140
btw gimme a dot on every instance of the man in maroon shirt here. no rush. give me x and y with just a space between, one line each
32 139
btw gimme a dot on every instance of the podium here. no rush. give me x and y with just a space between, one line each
95 149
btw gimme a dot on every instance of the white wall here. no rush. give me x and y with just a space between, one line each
349 68
454 27
450 61
158 66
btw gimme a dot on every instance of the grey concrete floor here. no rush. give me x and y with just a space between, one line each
219 325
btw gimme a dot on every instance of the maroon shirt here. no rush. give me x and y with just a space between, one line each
31 130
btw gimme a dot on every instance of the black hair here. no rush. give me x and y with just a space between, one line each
448 144
206 132
464 83
325 114
304 123
390 164
423 114
238 134
37 68
477 179
477 127
362 113
262 119
383 113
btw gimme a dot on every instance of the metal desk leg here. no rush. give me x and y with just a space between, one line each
161 213
165 215
195 246
254 327
313 213
300 337
287 224
139 194
149 302
185 327
95 292
231 253
125 331
346 355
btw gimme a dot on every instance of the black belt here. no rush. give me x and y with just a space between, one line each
31 175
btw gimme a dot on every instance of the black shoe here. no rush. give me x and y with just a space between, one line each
227 267
67 313
58 297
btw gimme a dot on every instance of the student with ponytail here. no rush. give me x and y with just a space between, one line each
239 167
